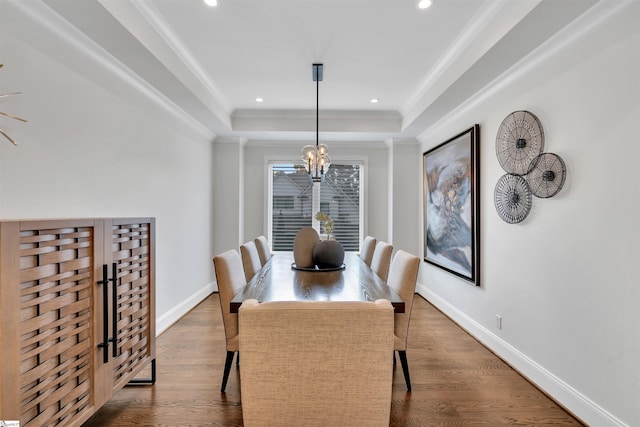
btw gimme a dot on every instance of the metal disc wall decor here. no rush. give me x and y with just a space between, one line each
546 176
512 198
519 141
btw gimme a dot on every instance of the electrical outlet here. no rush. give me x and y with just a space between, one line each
498 321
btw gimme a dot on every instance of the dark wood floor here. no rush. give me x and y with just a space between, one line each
456 381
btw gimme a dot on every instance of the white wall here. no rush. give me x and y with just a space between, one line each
563 280
96 144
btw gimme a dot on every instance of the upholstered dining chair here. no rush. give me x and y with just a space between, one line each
250 259
316 363
262 245
403 275
381 259
366 251
230 278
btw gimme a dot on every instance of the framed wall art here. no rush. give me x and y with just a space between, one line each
452 205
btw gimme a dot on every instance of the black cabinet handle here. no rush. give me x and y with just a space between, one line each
114 318
105 313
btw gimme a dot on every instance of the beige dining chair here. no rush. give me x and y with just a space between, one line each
366 251
382 259
250 259
403 275
316 363
230 278
264 252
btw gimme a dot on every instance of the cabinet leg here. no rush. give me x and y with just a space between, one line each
146 381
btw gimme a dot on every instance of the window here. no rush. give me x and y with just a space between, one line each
292 197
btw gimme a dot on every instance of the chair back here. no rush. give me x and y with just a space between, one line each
403 275
316 363
366 251
230 278
382 259
250 259
264 252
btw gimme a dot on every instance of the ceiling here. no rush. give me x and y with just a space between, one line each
213 62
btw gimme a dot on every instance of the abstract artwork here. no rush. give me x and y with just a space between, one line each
451 205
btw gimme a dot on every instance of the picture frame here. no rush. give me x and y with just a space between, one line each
451 205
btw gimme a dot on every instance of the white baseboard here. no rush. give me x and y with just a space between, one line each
165 321
575 402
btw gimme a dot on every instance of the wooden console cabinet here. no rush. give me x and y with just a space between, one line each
77 315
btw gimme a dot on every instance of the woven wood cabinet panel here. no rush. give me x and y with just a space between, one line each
53 369
134 312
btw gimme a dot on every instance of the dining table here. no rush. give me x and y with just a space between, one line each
280 280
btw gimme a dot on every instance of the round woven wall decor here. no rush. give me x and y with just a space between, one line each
512 198
519 141
546 176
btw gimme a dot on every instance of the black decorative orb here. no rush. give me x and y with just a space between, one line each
548 176
328 254
514 198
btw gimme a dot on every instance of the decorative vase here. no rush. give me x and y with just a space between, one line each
328 254
303 245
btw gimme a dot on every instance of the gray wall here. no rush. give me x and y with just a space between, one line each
563 280
98 143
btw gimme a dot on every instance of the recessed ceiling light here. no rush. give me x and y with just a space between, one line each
211 3
259 99
423 4
374 100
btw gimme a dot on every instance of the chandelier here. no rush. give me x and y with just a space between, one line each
316 158
2 132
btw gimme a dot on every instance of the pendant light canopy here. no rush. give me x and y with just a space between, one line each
316 158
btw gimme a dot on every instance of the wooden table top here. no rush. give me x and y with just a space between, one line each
278 281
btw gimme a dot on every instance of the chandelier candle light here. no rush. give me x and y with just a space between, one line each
316 158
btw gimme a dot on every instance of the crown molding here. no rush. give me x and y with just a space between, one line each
147 24
489 25
297 145
305 121
46 18
581 28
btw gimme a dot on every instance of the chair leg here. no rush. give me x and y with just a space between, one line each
405 368
227 368
238 360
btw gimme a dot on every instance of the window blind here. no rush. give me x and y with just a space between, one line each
290 207
291 203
